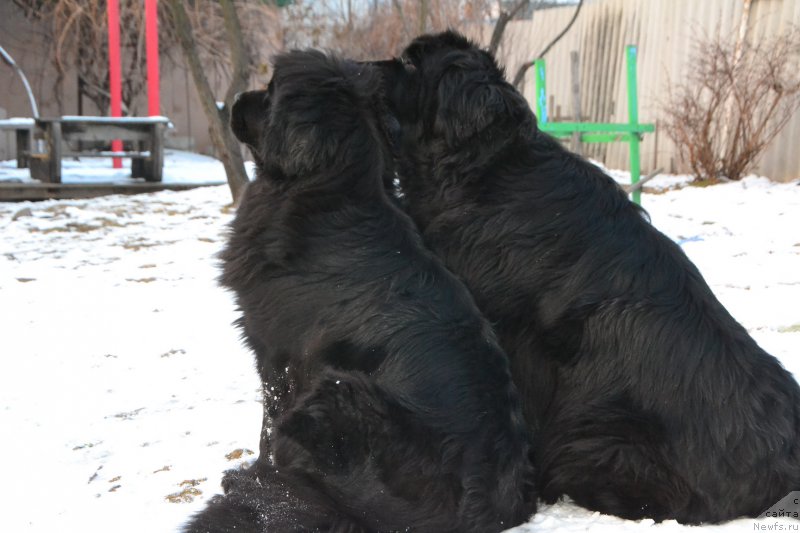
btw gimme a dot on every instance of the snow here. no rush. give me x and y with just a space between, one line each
124 385
179 167
17 123
113 120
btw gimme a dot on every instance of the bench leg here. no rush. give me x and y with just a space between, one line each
54 152
23 148
154 165
40 169
138 166
47 167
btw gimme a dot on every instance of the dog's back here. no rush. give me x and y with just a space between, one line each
360 333
652 368
651 399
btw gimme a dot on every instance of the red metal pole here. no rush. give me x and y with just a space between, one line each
115 71
151 40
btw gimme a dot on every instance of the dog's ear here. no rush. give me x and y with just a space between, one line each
248 116
474 102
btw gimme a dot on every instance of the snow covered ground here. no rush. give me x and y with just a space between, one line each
179 167
124 389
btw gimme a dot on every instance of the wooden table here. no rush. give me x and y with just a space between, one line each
78 136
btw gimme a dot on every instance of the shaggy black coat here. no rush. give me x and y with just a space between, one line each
393 403
647 398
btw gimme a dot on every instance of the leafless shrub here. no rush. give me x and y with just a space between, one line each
378 28
735 100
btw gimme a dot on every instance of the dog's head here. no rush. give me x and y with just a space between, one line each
445 88
319 114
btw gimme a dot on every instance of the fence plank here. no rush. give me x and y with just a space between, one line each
663 30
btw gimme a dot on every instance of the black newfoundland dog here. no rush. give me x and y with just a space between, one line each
647 398
393 404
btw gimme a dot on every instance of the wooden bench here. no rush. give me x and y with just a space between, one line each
22 128
79 136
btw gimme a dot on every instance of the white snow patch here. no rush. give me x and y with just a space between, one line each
121 376
179 167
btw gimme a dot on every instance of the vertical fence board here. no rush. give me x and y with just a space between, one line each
663 31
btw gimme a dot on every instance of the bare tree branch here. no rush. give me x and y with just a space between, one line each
520 75
502 21
377 29
564 31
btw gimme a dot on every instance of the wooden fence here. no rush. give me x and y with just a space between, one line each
664 31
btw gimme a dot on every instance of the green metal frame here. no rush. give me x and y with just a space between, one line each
599 132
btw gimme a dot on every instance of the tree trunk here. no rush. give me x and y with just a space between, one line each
222 137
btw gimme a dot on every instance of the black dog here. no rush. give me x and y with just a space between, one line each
394 404
648 398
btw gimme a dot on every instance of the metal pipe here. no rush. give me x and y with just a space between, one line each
11 63
115 71
151 34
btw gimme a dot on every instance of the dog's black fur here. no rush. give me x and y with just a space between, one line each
278 501
393 402
648 398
